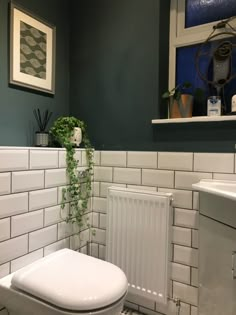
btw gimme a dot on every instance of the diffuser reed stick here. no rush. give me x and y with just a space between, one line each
42 119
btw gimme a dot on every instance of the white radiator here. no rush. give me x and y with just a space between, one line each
138 239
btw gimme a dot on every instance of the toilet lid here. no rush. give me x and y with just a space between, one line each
72 281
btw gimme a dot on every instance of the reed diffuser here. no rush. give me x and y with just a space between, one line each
42 121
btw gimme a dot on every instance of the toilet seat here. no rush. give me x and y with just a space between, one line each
72 281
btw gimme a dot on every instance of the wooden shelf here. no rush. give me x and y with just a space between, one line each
194 119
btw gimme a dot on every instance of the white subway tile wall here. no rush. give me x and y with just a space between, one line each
194 310
14 160
4 270
214 162
13 204
194 277
42 198
94 249
55 178
30 218
173 172
184 180
5 183
104 188
185 293
64 243
97 157
103 174
110 158
55 214
158 178
27 222
4 229
181 273
223 176
25 260
40 159
62 158
142 159
31 225
175 161
13 248
96 189
127 175
83 158
81 240
65 230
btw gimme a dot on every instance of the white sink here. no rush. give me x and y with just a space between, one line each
222 188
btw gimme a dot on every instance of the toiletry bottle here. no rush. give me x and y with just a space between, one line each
233 104
214 106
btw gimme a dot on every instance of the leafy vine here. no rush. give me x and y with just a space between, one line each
78 192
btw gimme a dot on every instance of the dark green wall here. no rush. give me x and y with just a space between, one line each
17 123
111 69
115 68
119 69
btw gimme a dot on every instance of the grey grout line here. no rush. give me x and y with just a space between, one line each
192 200
190 278
44 179
234 164
174 177
193 162
28 246
58 159
128 311
191 239
10 183
29 159
172 288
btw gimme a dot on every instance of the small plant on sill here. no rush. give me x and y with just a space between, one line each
177 91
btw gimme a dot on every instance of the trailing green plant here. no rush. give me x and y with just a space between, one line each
78 192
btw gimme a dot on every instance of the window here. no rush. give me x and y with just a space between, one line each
184 28
189 27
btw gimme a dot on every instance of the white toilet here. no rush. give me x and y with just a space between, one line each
65 283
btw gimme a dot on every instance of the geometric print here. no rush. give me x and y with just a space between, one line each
33 57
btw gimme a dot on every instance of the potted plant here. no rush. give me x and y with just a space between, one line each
42 121
180 102
79 189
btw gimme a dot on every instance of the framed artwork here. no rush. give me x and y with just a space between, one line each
32 51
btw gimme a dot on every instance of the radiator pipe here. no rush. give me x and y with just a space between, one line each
177 303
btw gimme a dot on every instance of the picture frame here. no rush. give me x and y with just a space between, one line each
32 51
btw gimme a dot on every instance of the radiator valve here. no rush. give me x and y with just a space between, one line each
177 303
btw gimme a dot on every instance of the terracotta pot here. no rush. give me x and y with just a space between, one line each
182 108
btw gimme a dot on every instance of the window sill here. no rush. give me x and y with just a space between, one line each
194 119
